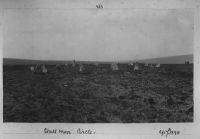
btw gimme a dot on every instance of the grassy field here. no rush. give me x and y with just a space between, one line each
98 95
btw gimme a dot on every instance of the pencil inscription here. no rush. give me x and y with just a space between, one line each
99 6
61 131
169 132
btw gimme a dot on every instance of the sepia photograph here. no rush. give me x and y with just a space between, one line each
90 65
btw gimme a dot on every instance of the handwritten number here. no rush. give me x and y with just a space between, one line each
169 132
99 6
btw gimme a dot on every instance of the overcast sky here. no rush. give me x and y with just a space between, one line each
97 35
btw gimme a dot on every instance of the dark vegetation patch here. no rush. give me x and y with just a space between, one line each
97 95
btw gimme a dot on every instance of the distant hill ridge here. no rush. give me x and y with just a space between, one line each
14 61
169 60
162 60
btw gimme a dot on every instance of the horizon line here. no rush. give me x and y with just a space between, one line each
94 60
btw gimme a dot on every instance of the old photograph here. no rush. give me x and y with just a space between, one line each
98 66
